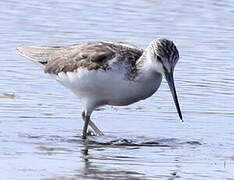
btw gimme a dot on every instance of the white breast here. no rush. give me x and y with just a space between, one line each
110 87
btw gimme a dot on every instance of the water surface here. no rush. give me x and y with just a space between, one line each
41 120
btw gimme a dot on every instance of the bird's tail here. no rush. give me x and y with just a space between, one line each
37 54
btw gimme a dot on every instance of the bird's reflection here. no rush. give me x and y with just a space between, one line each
91 170
95 163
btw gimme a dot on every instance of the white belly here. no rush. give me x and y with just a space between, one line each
108 87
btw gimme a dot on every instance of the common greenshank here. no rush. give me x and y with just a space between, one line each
108 73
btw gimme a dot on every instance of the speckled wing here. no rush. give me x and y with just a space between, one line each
89 55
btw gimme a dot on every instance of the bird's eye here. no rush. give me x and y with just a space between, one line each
159 58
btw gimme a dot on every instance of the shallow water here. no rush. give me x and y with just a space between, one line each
40 120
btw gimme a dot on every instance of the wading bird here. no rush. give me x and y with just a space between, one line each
108 73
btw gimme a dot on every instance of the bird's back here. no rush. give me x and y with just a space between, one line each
89 55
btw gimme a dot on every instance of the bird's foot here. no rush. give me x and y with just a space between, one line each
91 133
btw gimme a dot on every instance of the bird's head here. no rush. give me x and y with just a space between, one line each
164 56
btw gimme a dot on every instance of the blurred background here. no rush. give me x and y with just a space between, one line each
41 120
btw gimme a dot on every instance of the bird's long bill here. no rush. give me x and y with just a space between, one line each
170 81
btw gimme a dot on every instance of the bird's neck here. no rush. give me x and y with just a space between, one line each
148 68
147 75
146 62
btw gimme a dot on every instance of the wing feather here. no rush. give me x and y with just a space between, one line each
90 55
